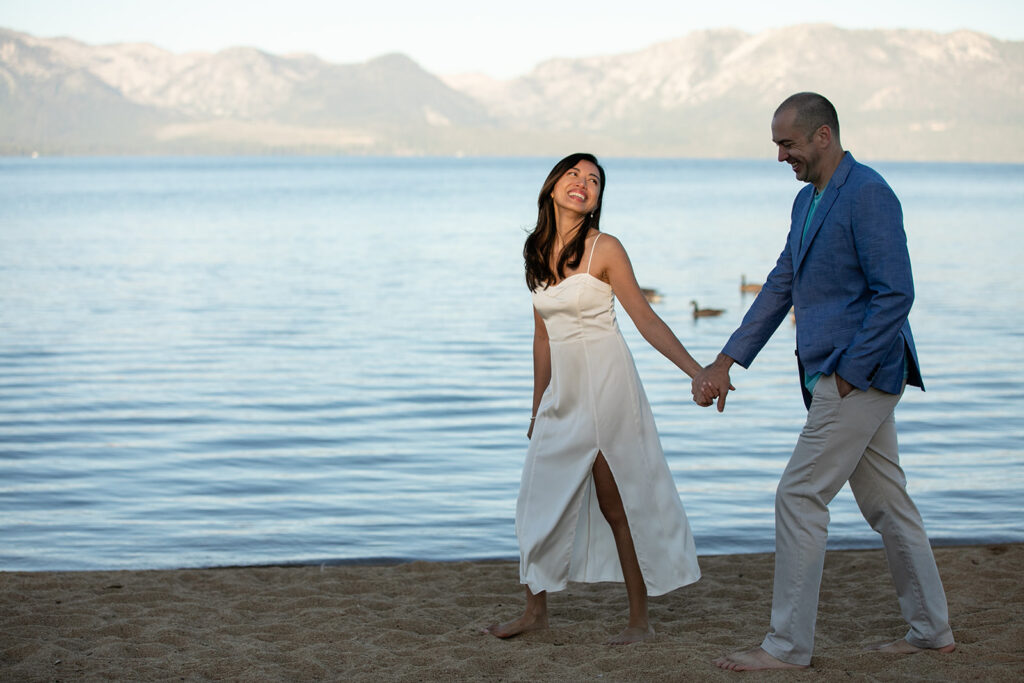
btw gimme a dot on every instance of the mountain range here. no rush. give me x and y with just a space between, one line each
901 94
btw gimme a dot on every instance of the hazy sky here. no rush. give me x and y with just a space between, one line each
501 39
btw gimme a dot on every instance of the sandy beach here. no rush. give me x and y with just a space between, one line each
421 621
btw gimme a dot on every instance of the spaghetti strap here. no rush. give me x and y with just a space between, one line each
592 248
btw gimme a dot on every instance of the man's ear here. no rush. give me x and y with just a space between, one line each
823 135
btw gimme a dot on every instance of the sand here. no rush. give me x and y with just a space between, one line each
421 621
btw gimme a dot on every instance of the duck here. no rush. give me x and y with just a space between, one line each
652 295
699 312
748 288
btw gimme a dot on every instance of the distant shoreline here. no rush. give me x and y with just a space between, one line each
854 546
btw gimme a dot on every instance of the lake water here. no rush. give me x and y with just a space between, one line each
246 361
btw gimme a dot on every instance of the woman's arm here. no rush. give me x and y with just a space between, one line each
541 365
613 264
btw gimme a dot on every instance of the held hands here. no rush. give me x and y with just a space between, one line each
713 382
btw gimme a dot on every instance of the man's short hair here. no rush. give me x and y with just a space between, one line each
812 112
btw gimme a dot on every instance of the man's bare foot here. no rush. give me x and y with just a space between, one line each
902 647
631 634
753 660
524 624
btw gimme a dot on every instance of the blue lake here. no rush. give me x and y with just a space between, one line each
247 361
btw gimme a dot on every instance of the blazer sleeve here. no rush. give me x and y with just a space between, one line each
881 248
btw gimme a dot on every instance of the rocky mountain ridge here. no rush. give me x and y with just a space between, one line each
901 94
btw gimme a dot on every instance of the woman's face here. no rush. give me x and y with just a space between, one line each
578 190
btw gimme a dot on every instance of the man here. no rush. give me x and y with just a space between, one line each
845 270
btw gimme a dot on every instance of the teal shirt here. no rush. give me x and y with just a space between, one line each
811 380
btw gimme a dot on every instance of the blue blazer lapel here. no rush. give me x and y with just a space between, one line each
824 204
820 213
803 203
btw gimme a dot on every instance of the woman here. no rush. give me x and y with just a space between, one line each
597 501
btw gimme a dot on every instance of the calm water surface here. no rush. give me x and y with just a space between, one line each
246 361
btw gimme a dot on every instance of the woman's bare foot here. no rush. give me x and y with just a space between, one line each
902 647
535 617
631 634
753 660
524 624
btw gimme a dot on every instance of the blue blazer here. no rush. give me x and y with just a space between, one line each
849 283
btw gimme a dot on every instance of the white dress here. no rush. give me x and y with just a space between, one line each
595 402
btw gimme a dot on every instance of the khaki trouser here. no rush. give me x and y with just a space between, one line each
849 439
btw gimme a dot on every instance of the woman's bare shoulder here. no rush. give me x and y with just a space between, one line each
608 242
609 247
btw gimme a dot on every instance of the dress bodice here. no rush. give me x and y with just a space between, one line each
578 307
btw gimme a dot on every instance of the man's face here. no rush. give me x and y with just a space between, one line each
797 147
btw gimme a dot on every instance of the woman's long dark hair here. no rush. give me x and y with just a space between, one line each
541 241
